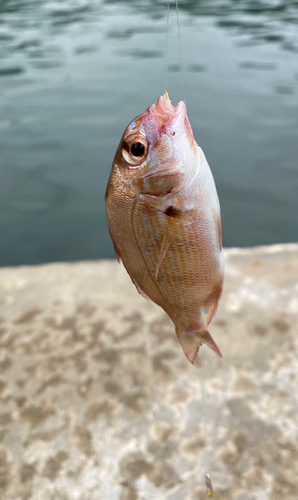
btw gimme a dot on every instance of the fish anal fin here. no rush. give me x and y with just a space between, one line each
164 248
118 256
191 340
139 289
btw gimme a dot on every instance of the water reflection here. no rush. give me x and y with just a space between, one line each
263 20
269 21
74 72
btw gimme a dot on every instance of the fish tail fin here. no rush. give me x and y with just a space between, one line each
191 340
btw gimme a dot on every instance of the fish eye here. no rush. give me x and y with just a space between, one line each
134 149
137 149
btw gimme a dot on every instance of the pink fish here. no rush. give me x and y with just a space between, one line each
164 219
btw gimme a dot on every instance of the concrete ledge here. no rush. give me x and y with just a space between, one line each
98 402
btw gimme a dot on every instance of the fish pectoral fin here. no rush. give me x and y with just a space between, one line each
191 340
171 207
164 248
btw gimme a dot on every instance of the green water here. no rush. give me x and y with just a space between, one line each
74 73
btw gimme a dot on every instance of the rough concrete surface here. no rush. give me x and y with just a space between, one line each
98 402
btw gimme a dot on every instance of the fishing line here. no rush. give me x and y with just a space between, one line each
210 493
180 48
204 406
181 54
167 48
203 387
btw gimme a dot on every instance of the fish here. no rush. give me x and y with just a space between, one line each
164 219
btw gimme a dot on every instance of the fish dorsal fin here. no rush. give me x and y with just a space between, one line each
164 248
213 301
211 311
218 223
219 228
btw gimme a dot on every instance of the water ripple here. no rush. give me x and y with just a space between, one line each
74 72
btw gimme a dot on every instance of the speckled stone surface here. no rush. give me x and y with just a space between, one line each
98 402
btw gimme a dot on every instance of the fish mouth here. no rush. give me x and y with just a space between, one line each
166 113
172 120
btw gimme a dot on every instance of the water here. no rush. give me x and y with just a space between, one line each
73 73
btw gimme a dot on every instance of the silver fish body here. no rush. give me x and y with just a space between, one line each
164 219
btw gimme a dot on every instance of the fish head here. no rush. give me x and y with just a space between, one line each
158 141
